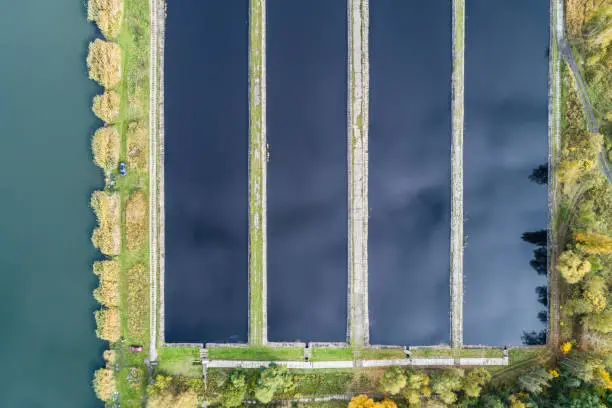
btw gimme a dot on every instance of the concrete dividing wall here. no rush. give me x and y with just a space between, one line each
358 116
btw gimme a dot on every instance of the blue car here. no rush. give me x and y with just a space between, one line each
122 169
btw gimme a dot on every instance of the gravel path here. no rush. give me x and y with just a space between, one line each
358 100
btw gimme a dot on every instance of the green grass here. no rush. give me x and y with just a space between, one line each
521 360
431 352
380 354
329 354
257 161
181 361
256 353
134 91
482 353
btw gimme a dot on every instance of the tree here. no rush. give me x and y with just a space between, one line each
595 290
578 306
601 322
361 401
104 63
107 14
535 380
271 380
234 390
386 403
136 220
106 147
107 292
104 383
593 242
393 380
184 399
446 383
474 381
569 171
108 324
107 235
540 174
412 396
106 106
572 266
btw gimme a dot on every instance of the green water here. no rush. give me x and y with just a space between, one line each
48 349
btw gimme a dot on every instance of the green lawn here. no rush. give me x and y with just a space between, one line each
256 353
134 91
329 354
431 352
380 354
182 361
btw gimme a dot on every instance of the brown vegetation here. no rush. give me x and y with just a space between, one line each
108 324
593 242
137 304
106 106
136 220
104 383
187 399
107 293
107 14
137 146
106 147
107 235
104 63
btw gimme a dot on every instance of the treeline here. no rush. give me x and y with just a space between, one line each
585 230
589 24
119 64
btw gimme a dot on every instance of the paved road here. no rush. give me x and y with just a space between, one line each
566 52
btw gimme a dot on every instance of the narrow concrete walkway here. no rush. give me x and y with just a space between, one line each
358 100
457 239
346 364
258 320
155 65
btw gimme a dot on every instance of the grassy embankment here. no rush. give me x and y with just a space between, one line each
257 163
131 122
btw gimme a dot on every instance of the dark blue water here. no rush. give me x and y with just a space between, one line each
48 346
206 170
505 138
307 176
410 49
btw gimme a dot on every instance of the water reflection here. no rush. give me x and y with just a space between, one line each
539 263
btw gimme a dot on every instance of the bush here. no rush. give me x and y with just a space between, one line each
234 390
136 220
137 146
104 63
104 383
107 236
572 266
106 147
110 357
108 324
107 106
107 14
393 380
107 293
186 399
137 304
271 380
